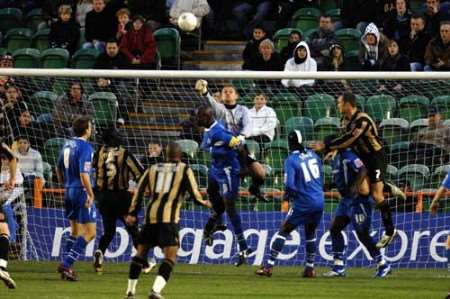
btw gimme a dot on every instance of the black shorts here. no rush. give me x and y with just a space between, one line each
159 234
376 166
113 203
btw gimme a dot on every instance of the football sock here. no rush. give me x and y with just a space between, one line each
369 243
210 224
4 247
135 267
448 258
235 220
132 283
277 246
70 240
338 245
134 233
163 275
77 249
386 216
310 252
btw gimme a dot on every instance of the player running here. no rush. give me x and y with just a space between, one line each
167 183
348 173
74 168
361 135
304 186
445 187
223 178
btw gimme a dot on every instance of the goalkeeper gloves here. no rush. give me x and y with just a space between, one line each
201 87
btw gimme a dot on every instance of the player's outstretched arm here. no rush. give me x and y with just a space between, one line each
193 189
437 197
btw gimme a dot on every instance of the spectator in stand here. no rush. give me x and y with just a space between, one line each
263 121
294 38
50 9
249 13
37 132
286 9
268 59
437 54
153 155
139 45
321 40
300 62
373 48
74 103
65 33
83 7
14 104
101 23
199 8
123 19
335 62
434 16
358 13
6 61
251 51
29 161
397 24
417 43
153 11
394 62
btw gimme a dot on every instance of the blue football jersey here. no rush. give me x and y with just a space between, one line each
220 143
345 167
446 182
75 158
304 180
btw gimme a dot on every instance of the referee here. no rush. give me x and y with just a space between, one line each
167 184
361 134
114 167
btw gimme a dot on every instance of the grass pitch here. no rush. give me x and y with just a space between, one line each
40 280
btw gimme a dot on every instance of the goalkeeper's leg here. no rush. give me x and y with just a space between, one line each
137 263
4 247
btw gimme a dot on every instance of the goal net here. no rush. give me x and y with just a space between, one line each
158 107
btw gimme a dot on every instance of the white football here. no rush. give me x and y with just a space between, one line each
187 21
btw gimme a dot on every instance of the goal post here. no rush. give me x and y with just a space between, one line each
156 107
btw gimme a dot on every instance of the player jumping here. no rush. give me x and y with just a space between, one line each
304 186
223 178
167 184
75 170
348 174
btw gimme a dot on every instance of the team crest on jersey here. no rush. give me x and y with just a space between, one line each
87 166
359 163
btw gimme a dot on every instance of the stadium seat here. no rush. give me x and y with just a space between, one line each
352 60
276 179
244 86
380 107
26 58
443 103
189 147
52 148
319 105
285 111
285 97
327 5
253 148
48 172
54 58
416 126
10 18
394 130
306 18
281 37
169 46
335 14
304 124
326 126
398 154
328 175
413 107
84 58
391 173
34 18
201 174
40 39
309 33
203 157
414 175
18 38
276 152
105 108
349 38
42 102
439 175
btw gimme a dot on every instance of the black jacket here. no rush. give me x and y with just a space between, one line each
417 47
65 35
102 25
397 63
105 62
398 29
288 51
251 52
275 63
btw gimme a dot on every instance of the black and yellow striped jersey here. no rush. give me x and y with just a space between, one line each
360 133
167 185
114 167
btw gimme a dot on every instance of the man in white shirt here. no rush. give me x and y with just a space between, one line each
263 120
30 161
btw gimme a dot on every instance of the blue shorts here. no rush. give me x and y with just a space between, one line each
357 210
446 181
225 182
301 217
74 206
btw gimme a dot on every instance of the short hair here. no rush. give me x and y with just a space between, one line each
229 85
65 9
349 97
267 42
123 11
419 16
20 137
111 41
173 151
443 23
325 16
80 125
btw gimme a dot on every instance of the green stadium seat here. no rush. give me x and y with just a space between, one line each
203 157
380 107
52 148
326 126
40 39
276 179
413 107
189 147
391 173
281 37
276 152
328 175
319 105
285 111
26 58
309 33
352 60
253 148
42 102
3 51
34 18
18 38
327 5
84 58
105 108
201 174
10 18
398 154
443 103
439 175
335 14
55 58
304 124
394 130
416 126
349 38
244 86
414 175
285 97
168 42
306 18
